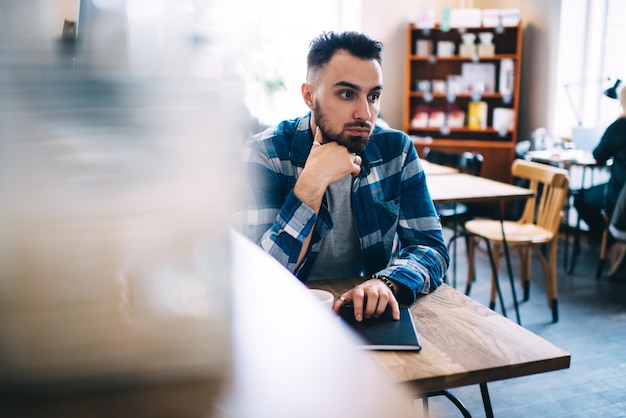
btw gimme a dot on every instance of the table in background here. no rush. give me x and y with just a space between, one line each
465 188
431 169
463 343
566 158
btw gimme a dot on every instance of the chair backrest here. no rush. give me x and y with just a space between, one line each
551 185
448 159
471 163
466 162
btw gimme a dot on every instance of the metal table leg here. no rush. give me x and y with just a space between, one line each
576 246
464 411
486 400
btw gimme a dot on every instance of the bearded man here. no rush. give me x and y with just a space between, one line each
333 195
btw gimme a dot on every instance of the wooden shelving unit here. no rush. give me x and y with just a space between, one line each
496 145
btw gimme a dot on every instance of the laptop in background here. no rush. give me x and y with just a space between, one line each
586 139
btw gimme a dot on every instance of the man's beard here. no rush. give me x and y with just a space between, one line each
355 144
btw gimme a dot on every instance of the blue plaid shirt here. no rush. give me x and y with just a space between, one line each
399 230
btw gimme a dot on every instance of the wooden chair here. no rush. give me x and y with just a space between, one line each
537 227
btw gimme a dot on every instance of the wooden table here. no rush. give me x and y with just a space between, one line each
465 188
463 343
432 169
565 158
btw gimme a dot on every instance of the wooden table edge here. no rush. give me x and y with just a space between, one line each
503 373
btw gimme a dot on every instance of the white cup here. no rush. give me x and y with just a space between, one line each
325 297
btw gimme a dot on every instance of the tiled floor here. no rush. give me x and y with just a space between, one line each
592 327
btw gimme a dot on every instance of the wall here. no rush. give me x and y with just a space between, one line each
387 22
67 9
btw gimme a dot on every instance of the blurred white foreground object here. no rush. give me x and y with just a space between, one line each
295 358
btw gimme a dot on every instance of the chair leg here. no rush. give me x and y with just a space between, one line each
497 253
603 250
553 279
455 229
457 233
525 271
567 231
471 267
494 260
550 277
575 246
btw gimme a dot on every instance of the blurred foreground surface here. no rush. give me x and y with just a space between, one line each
117 158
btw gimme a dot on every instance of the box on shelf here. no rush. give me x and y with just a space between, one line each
436 117
492 18
506 77
455 84
420 117
445 48
479 74
503 119
423 47
488 50
477 115
465 18
456 117
511 17
467 50
440 86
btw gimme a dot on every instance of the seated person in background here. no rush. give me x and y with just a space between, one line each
617 228
592 201
331 194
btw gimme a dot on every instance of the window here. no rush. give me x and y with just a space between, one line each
590 61
275 64
614 59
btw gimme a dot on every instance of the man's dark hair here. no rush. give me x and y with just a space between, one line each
322 48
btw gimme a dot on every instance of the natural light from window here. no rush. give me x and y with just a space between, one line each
275 67
614 61
591 61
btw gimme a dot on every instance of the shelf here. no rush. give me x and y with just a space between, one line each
431 58
476 144
481 28
413 129
497 147
489 95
